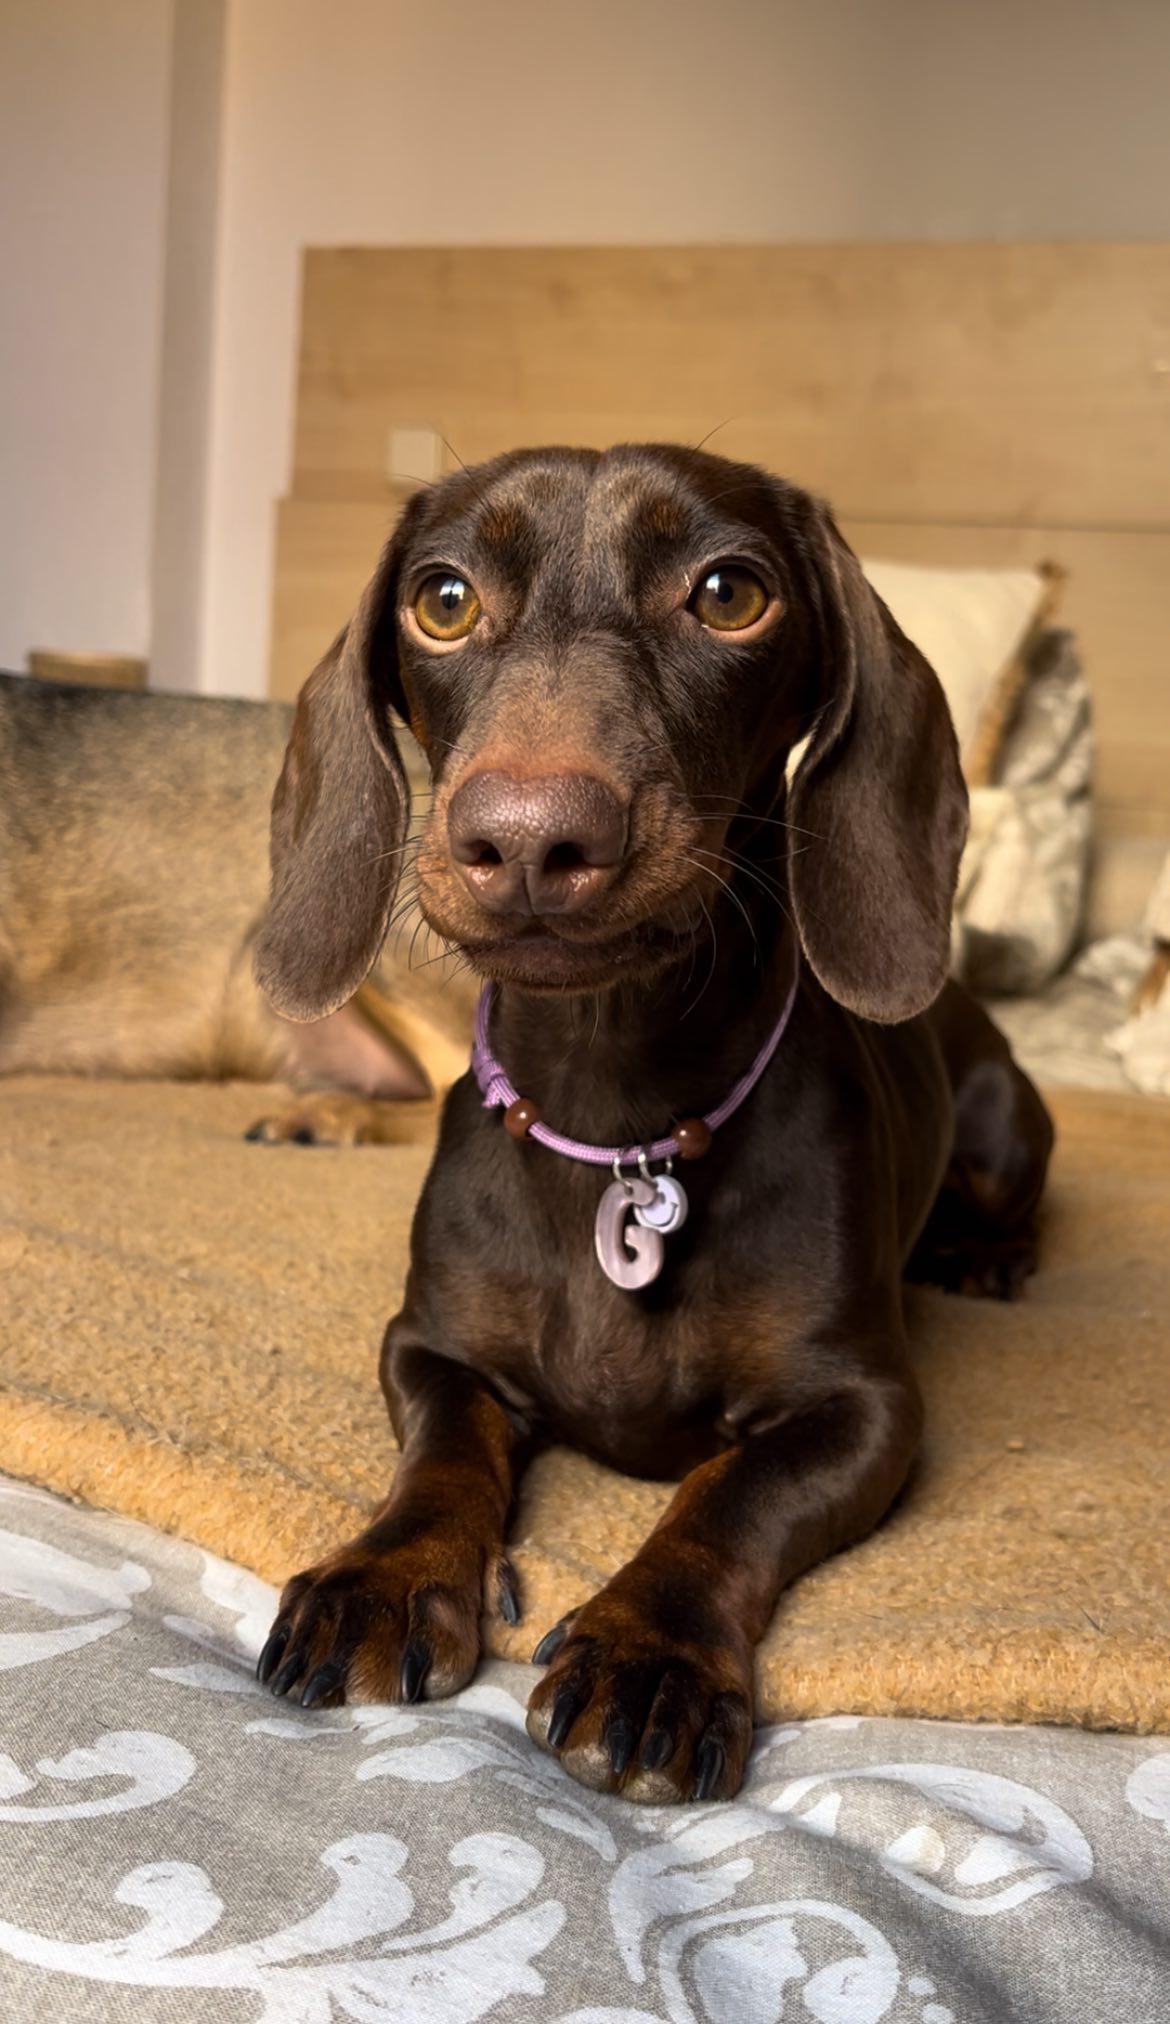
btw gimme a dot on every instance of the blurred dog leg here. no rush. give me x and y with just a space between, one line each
361 1064
358 1077
324 1117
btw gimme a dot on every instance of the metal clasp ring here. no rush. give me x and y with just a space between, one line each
639 1154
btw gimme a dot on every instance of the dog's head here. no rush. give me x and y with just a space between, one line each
608 659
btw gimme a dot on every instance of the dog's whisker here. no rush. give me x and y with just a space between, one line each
407 903
400 913
446 954
405 883
448 745
714 958
771 821
726 424
399 849
734 896
771 887
772 890
453 452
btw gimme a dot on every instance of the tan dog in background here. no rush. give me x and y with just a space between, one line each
133 876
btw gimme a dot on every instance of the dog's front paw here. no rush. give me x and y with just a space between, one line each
629 1708
370 1625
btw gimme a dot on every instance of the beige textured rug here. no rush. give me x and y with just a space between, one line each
190 1327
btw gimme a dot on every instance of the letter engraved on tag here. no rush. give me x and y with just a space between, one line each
629 1254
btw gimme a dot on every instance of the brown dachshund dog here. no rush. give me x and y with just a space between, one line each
679 748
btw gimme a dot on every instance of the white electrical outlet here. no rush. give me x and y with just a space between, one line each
414 455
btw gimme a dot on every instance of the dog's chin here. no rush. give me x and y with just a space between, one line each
538 958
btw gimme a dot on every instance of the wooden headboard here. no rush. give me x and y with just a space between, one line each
957 404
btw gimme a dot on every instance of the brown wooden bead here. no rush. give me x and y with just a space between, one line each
520 1117
694 1138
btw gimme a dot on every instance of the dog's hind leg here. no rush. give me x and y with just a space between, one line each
981 1234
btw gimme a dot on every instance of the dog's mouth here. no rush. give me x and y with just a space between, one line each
541 957
551 953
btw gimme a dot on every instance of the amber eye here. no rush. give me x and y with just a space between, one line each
729 598
446 607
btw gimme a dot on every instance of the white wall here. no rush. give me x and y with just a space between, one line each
83 143
178 556
386 122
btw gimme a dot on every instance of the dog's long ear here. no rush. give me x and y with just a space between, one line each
878 803
339 816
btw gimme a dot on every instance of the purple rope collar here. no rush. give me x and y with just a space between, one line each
497 1089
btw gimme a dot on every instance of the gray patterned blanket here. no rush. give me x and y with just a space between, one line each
176 1846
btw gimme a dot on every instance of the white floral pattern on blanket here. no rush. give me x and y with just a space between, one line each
211 1856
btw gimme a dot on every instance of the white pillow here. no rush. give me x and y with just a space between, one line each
974 626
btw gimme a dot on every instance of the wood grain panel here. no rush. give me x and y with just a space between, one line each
325 551
1017 385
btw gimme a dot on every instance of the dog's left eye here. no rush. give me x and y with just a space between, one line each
729 598
446 606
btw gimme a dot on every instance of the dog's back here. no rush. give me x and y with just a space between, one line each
133 872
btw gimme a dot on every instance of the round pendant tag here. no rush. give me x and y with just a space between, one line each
668 1211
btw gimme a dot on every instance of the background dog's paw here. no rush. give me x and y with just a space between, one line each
628 1710
370 1626
335 1118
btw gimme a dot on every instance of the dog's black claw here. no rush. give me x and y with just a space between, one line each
304 1135
620 1738
708 1767
270 1656
290 1672
566 1709
551 1643
416 1664
507 1594
325 1680
255 1132
657 1750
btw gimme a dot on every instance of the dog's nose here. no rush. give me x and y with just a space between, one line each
549 845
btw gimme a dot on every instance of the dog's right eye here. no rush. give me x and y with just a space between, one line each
446 606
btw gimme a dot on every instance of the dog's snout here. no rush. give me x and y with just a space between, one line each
546 845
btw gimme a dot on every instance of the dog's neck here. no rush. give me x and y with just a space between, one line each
620 1066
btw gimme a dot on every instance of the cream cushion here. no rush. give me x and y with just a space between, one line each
974 626
1021 708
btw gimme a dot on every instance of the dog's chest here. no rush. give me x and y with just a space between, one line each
635 1378
652 1380
506 1278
